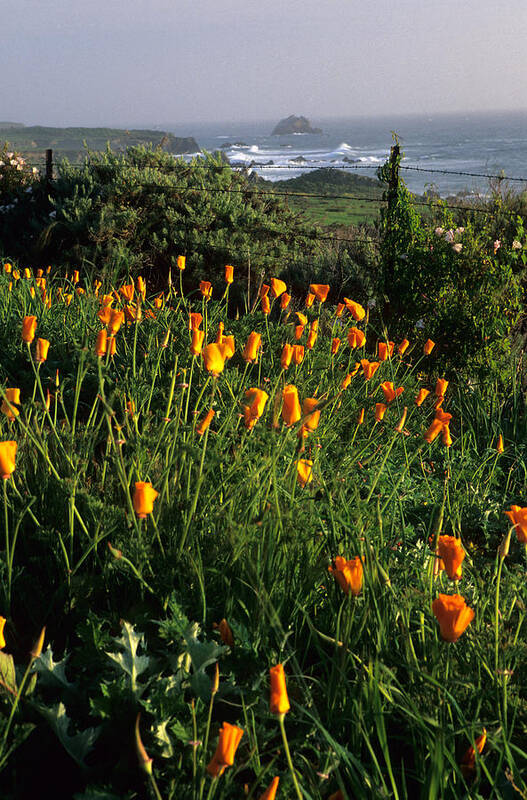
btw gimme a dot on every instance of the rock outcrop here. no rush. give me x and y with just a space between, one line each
294 124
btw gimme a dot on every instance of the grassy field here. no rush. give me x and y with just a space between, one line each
193 500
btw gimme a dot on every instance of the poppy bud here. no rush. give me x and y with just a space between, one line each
10 403
335 344
279 701
228 741
403 347
400 425
39 644
291 412
250 351
421 396
29 326
101 343
500 446
310 299
229 270
266 305
143 499
181 263
380 410
428 347
145 762
197 342
115 322
270 792
42 350
340 308
205 422
298 354
287 355
299 330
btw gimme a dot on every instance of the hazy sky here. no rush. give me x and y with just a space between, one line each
126 62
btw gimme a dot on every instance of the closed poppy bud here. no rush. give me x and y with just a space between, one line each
16 275
298 354
433 431
518 517
116 320
145 762
380 410
335 344
320 290
266 305
7 458
130 408
356 310
369 368
346 381
10 403
205 422
309 410
141 286
468 762
27 273
284 301
500 446
403 347
229 739
42 350
385 350
2 626
445 436
36 650
389 392
291 411
226 634
304 471
101 343
127 291
441 386
181 261
287 355
278 287
453 615
348 574
29 326
360 418
250 351
143 499
7 269
299 330
195 321
279 701
219 335
428 347
205 288
197 342
340 308
356 338
450 551
270 792
400 425
311 338
229 273
76 276
421 396
213 358
32 291
310 299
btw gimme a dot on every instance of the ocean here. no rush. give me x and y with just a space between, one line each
488 143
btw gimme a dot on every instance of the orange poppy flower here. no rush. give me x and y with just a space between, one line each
205 422
29 326
205 288
385 350
309 410
356 338
10 403
197 342
428 347
299 330
441 386
369 368
253 410
302 319
181 262
348 574
279 701
228 346
213 358
340 308
389 392
403 347
270 792
500 447
2 626
287 355
468 762
433 431
229 739
195 321
116 320
360 418
101 343
41 352
226 634
312 335
421 396
7 458
518 517
128 291
445 436
304 469
298 354
346 381
400 425
356 310
278 287
143 499
229 273
335 344
266 305
250 351
141 286
450 551
320 290
291 412
310 299
453 615
380 411
284 301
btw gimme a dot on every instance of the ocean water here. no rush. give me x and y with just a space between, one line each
489 143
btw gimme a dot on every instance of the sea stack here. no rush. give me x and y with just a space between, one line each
294 124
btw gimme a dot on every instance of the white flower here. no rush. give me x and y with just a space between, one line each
420 323
449 236
497 245
439 231
457 248
13 162
372 303
516 245
460 230
10 155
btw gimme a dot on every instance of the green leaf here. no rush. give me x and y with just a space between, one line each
7 673
128 660
77 745
50 670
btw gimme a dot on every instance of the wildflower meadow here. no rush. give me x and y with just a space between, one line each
259 544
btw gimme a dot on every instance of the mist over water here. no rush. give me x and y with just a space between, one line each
490 143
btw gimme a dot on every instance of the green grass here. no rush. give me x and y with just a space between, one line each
381 706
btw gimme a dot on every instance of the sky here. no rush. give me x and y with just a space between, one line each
153 62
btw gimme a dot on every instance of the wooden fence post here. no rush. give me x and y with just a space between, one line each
49 166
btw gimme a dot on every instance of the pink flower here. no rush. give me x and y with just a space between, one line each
497 245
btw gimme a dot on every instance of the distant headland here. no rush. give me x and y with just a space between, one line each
294 124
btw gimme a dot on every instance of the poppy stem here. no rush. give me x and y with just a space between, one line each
288 757
496 615
9 558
